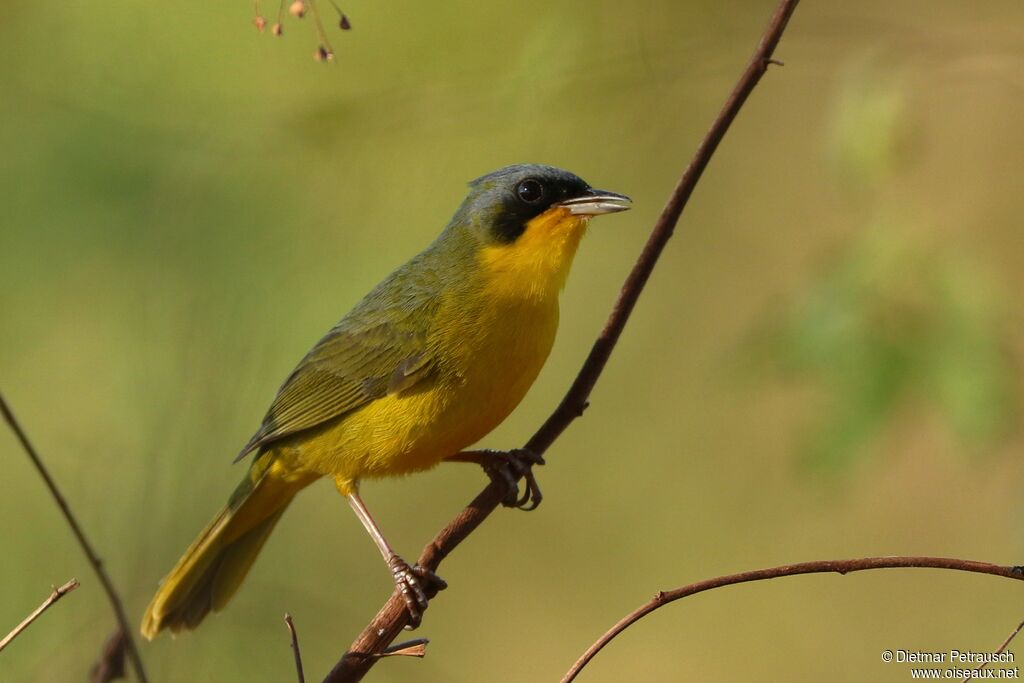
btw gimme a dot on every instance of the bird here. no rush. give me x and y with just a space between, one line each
424 366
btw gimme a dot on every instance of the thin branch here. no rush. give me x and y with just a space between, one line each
295 648
819 567
392 617
999 650
94 559
55 595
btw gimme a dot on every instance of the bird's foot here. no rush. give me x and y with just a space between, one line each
506 467
416 585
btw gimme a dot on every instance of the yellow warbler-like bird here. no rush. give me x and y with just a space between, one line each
429 362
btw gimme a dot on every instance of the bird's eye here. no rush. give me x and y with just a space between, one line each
530 191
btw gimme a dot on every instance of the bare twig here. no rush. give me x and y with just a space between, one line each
94 559
55 595
392 617
819 567
999 650
295 648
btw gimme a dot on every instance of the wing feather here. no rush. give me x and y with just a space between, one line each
351 366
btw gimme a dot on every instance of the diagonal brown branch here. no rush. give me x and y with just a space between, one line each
819 567
55 595
392 617
76 528
999 650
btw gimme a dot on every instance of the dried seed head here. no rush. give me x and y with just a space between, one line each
260 23
298 9
344 24
276 29
322 54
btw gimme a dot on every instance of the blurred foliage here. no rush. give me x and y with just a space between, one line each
188 205
867 137
895 318
893 322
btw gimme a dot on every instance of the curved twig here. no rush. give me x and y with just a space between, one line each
55 595
90 553
392 617
819 567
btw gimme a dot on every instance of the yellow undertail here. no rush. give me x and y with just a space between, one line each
214 566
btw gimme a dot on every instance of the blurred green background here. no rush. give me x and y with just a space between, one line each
825 364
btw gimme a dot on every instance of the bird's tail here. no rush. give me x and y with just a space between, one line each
213 567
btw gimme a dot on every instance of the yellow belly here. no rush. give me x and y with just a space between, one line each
492 358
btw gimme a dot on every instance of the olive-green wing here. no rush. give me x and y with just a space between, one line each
351 366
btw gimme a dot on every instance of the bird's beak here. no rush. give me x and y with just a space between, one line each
596 202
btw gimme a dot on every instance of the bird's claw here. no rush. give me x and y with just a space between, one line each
416 585
506 467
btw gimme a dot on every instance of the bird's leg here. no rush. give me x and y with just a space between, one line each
505 468
416 584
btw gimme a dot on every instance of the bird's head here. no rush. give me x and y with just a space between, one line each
527 221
